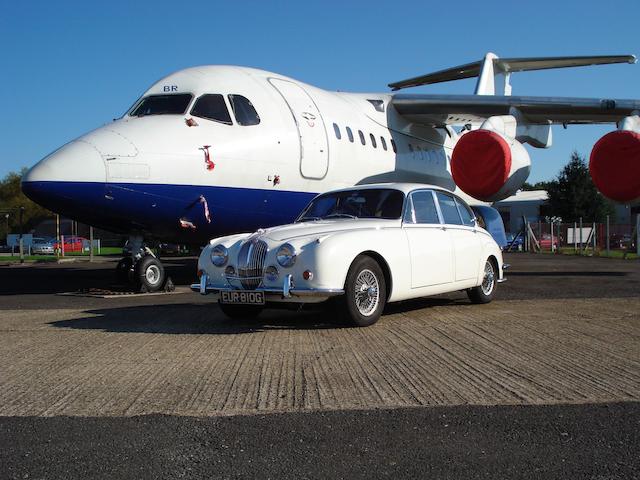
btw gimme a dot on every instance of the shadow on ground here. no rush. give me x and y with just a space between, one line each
60 278
189 318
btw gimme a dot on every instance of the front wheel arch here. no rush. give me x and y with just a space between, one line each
386 271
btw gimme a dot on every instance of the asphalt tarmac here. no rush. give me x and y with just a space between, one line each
542 383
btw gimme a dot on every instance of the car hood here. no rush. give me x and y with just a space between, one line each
326 227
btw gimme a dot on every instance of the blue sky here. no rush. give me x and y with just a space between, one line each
70 66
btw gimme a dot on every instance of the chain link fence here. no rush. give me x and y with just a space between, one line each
582 237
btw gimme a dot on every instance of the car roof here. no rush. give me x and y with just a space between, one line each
404 187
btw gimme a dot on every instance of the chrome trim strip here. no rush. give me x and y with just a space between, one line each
294 292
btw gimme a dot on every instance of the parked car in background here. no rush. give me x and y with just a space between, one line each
365 246
74 244
514 244
546 241
169 248
43 246
624 241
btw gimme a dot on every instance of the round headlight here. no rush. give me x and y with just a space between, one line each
286 255
219 255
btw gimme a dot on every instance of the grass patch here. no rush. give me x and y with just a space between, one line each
620 254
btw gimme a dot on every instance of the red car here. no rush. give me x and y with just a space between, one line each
74 244
545 241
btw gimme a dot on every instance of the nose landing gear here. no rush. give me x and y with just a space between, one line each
142 270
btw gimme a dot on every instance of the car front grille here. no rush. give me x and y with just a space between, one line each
251 262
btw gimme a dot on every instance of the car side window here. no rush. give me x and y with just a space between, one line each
448 209
465 213
424 208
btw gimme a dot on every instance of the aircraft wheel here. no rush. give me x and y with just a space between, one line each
123 268
149 274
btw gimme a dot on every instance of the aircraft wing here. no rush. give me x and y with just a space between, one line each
440 110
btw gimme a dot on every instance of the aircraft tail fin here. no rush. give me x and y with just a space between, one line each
493 71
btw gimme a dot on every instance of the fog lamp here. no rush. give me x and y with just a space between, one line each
271 273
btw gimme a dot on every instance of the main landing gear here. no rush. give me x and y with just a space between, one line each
142 269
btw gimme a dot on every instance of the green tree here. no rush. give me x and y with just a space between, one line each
11 199
573 195
536 186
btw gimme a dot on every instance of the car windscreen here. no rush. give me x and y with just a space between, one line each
162 105
383 203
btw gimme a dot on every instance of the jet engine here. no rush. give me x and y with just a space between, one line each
488 165
615 166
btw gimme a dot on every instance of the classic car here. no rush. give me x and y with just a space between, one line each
367 245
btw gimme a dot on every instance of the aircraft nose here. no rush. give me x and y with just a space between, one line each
57 179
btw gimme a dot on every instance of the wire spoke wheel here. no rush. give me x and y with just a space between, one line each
489 279
367 292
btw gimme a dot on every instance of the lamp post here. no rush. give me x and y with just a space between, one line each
21 244
6 217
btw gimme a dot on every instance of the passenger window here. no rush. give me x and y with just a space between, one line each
373 140
383 142
465 213
336 129
393 145
212 107
448 208
243 110
350 134
424 207
361 137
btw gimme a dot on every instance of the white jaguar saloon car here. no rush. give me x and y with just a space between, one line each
366 245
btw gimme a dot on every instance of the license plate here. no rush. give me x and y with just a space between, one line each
246 297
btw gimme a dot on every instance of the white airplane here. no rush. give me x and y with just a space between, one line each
216 149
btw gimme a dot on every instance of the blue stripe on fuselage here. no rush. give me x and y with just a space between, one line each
156 209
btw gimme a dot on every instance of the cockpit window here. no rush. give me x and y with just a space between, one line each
243 110
162 105
212 107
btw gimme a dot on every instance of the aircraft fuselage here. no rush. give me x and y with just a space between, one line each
182 177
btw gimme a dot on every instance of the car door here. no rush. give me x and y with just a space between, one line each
460 225
430 247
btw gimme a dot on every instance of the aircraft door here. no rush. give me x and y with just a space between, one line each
314 151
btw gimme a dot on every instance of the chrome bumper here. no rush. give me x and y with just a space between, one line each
504 267
288 290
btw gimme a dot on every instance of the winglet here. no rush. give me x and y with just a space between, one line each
506 66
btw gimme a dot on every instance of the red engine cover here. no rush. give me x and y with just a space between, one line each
615 165
480 163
